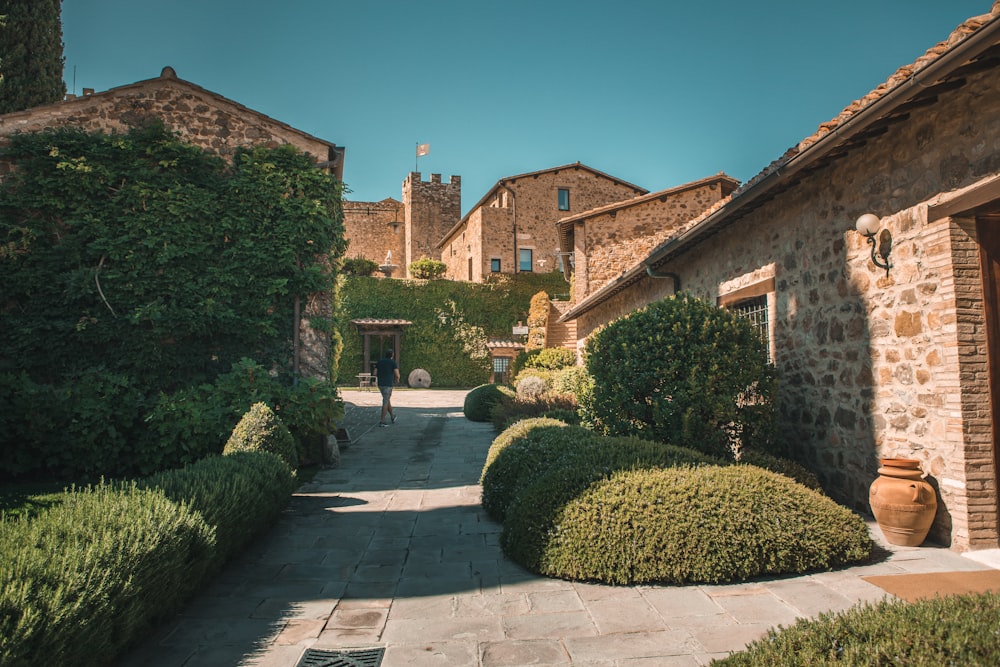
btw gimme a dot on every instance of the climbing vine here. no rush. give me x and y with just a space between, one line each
153 262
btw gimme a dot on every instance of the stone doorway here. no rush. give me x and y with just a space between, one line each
988 235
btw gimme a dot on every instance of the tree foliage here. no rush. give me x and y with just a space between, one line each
31 54
153 265
685 372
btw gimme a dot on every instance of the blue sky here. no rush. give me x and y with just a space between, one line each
655 92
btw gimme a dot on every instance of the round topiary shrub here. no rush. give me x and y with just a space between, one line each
512 433
552 358
261 430
682 371
954 630
534 504
512 467
783 466
531 387
711 524
480 401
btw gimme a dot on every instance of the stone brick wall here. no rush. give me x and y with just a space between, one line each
874 366
374 229
200 117
537 209
609 243
432 208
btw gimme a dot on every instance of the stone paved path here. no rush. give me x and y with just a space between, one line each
391 549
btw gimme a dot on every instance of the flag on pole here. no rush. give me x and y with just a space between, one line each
423 149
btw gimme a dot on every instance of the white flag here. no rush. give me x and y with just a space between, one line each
423 149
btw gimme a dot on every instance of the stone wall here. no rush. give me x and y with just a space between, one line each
536 211
432 208
608 243
200 117
374 229
873 365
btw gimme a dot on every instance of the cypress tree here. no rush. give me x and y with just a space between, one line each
31 54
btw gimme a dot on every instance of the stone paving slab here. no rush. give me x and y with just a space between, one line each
392 549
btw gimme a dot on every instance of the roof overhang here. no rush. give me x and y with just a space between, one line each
832 142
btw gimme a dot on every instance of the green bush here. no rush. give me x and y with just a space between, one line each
955 630
83 580
101 566
511 409
533 507
783 466
116 296
427 269
238 495
552 358
682 371
531 387
571 380
480 401
260 430
712 524
520 455
358 266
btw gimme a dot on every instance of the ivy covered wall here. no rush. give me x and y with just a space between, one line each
451 321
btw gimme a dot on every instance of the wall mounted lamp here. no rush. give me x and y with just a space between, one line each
868 224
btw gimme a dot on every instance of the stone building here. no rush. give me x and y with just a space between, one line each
198 116
512 229
874 362
202 118
403 231
605 241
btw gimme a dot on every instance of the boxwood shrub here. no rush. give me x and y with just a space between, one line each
955 630
709 524
261 430
538 495
509 467
480 401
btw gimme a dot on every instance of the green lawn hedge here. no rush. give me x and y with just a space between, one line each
86 578
957 630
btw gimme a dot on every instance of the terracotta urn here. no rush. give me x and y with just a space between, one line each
903 502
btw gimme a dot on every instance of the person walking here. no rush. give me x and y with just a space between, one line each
387 374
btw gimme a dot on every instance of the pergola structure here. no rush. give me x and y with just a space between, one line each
377 336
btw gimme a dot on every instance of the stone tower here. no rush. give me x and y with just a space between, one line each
432 209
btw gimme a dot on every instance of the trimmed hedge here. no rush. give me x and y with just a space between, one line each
712 524
956 630
84 580
261 430
479 401
509 467
100 568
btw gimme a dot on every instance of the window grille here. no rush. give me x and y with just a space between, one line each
754 310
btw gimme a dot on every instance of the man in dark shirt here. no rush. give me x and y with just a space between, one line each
387 372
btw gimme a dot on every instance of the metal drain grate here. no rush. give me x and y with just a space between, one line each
349 657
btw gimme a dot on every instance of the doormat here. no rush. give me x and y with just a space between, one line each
913 587
345 657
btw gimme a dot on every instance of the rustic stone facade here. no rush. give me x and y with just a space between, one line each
871 365
520 213
375 231
410 228
198 116
607 240
432 208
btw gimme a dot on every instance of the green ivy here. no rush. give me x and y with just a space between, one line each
134 266
451 321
